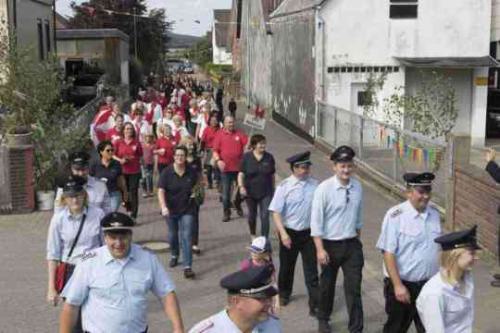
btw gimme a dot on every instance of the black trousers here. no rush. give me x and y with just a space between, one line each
348 255
302 243
262 205
400 315
132 181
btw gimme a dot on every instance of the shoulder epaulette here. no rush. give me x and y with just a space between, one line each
271 315
88 255
203 326
396 213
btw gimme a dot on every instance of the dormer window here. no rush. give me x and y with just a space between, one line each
403 9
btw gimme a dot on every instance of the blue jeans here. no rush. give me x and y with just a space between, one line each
181 226
227 180
116 200
147 180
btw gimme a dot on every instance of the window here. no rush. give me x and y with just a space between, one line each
403 9
41 53
364 98
47 35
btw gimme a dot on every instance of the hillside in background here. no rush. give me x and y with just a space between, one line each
178 41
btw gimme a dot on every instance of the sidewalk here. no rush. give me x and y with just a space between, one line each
23 267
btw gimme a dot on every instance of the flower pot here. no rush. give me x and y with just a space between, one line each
45 200
18 139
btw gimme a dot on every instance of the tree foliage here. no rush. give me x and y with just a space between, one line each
151 28
201 52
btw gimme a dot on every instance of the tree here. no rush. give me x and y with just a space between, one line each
151 29
201 52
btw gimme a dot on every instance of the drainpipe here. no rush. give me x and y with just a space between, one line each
320 51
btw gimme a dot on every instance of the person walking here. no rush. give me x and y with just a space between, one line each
494 170
97 191
336 223
175 195
232 106
73 230
446 302
148 165
256 181
291 212
194 163
109 171
164 147
228 148
128 151
111 285
410 253
249 303
207 142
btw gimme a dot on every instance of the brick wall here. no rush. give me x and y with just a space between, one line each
477 201
22 187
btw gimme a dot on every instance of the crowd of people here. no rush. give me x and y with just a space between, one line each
178 132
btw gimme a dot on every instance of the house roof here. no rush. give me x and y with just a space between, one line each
61 22
91 34
222 22
451 62
294 6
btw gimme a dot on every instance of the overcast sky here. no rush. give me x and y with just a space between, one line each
183 12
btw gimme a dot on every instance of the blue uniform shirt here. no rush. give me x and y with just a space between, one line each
113 293
98 195
292 200
62 232
336 209
409 235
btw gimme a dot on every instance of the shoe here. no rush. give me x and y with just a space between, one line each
495 283
172 262
227 216
313 312
188 273
196 249
324 327
239 210
496 276
284 301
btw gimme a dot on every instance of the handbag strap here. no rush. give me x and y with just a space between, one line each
77 236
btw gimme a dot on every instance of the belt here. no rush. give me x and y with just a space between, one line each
146 331
411 283
340 241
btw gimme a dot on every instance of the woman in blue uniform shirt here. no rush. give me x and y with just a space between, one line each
64 228
446 302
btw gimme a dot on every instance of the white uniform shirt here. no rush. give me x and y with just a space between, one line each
113 293
221 323
443 309
98 195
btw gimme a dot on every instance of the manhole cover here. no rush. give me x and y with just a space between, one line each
156 246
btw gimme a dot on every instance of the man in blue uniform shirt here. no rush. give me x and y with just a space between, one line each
97 191
291 209
336 223
250 295
111 285
410 253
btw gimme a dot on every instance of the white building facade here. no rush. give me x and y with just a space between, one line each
356 39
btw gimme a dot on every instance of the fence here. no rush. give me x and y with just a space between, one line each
384 149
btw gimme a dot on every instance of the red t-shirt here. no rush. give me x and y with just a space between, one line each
230 147
147 153
209 135
168 157
131 150
113 135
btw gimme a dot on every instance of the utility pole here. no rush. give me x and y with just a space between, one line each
135 32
